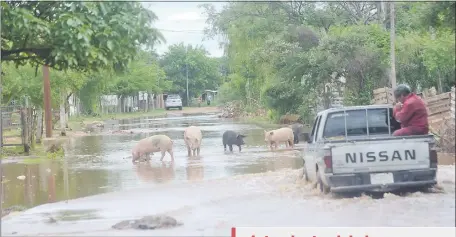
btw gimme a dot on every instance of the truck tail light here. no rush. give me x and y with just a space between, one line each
327 158
433 156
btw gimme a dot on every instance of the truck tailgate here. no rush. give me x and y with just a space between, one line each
379 156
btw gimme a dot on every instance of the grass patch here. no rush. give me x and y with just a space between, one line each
36 155
33 160
12 151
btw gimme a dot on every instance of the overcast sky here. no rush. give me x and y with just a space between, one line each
183 22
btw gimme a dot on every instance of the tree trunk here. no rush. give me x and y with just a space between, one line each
147 101
153 101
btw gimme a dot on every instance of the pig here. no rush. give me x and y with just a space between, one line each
279 135
192 138
149 145
231 138
297 130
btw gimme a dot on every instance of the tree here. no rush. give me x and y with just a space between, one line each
21 82
143 74
284 55
75 35
203 71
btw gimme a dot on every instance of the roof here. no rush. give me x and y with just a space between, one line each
382 106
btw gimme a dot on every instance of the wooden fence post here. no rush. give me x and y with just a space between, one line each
25 128
39 127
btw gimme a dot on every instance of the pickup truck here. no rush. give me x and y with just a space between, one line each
351 149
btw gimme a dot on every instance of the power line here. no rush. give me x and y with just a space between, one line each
183 31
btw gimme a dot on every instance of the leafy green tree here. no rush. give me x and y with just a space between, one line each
143 74
76 35
285 54
18 83
22 82
203 71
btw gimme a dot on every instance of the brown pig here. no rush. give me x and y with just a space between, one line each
279 135
149 145
192 138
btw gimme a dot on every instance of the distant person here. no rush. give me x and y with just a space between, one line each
411 112
209 98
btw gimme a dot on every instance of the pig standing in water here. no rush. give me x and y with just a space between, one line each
149 145
279 135
192 138
297 130
231 138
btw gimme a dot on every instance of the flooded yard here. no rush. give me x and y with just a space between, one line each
209 194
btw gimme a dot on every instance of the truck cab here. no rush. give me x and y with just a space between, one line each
351 149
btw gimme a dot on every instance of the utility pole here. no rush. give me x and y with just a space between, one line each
393 50
382 15
47 101
439 78
186 69
1 141
1 117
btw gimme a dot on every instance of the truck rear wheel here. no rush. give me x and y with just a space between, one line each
323 188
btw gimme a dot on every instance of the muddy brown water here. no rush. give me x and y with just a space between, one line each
96 164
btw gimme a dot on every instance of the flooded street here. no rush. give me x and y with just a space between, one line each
209 194
99 164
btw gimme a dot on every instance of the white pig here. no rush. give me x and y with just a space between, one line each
192 138
149 145
279 135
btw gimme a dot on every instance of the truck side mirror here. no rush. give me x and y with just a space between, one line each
306 137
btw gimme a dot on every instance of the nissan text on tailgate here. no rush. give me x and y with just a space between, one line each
352 149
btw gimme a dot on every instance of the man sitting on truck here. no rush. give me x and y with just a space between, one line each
411 112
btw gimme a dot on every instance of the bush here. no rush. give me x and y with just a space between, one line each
233 89
285 97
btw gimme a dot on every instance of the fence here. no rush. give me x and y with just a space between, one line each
440 109
18 125
383 96
143 102
11 128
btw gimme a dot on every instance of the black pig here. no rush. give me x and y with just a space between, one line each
297 131
231 138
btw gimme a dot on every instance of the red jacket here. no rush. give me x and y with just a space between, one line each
413 113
